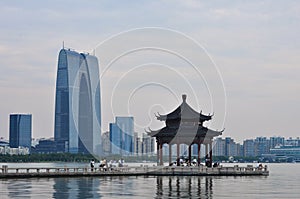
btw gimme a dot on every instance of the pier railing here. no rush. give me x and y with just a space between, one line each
142 170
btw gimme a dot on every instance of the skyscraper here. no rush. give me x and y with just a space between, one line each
148 145
219 147
276 141
121 135
126 125
116 139
20 130
77 106
262 145
249 148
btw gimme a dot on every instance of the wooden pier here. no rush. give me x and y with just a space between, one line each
6 172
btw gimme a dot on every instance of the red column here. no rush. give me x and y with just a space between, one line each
199 153
190 154
210 154
161 154
157 153
206 154
206 149
178 162
170 154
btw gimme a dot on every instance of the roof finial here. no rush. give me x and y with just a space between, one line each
184 97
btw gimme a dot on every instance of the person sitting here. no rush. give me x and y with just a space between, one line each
120 163
216 164
102 164
194 162
181 162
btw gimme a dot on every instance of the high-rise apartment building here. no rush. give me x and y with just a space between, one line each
148 145
249 148
20 130
292 141
137 144
219 147
77 106
276 141
262 146
226 147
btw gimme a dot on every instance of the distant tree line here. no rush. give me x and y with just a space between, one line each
68 157
52 157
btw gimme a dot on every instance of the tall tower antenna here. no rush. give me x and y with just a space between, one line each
63 44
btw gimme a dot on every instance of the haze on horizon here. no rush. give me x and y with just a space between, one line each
255 45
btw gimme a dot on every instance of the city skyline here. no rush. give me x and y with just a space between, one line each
120 141
254 44
34 140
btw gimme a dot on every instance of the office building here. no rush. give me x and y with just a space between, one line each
116 139
20 130
126 125
77 104
122 136
287 153
45 146
106 143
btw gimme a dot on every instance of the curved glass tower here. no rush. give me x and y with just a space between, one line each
77 105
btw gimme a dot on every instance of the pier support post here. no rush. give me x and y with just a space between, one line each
170 154
161 154
178 159
190 154
210 154
4 169
157 153
199 153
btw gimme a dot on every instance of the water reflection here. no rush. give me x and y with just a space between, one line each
19 189
87 187
284 182
184 187
166 187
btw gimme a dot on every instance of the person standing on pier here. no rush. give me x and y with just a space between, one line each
92 165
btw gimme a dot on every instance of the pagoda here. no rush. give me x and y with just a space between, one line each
184 126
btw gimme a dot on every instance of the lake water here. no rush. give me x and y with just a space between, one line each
283 182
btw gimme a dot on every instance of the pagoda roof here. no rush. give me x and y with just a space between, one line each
184 111
184 131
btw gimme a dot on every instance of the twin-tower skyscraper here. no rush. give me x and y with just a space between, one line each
77 105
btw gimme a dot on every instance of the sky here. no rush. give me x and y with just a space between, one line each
248 58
